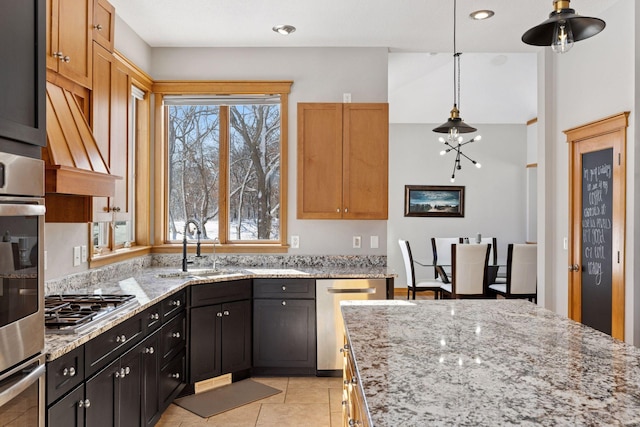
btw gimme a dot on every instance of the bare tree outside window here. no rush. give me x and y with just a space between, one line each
253 161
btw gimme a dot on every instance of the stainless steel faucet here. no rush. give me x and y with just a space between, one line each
216 241
184 242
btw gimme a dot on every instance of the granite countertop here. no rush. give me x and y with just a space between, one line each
151 285
488 362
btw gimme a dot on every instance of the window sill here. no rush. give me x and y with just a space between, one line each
119 255
229 248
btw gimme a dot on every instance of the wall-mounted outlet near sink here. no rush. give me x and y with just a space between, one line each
295 242
357 242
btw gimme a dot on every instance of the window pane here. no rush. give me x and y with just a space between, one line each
193 147
254 172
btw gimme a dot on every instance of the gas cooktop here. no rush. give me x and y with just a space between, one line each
75 313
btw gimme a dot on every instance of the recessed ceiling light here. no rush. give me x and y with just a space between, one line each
284 29
479 15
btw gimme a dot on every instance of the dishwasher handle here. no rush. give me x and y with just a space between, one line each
351 290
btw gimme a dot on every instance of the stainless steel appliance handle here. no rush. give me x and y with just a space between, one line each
21 385
351 291
24 209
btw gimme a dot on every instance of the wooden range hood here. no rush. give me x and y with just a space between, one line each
73 162
75 170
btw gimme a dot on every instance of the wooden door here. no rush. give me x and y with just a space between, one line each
365 147
319 161
597 224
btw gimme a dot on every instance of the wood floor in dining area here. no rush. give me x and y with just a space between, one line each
308 401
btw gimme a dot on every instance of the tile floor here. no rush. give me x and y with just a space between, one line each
308 401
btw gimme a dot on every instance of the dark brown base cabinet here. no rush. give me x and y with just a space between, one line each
284 327
219 334
135 386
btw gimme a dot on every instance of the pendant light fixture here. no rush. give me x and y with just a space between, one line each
454 126
563 28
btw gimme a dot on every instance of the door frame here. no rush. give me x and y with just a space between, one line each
606 133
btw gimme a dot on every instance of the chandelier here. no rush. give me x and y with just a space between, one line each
454 126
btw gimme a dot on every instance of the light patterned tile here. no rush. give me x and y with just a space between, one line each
244 416
177 416
336 419
294 415
335 399
310 382
307 395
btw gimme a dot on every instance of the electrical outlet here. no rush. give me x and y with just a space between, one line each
346 98
295 242
76 256
83 253
357 242
374 242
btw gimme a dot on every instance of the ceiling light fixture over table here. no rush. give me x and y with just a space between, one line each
454 126
563 28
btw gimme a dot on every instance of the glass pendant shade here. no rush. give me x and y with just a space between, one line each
563 28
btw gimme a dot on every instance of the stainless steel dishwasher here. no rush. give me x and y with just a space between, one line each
330 327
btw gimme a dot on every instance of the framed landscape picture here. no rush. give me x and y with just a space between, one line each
434 200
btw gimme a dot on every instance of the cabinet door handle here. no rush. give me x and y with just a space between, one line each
284 303
176 376
338 210
176 303
175 335
148 350
219 314
284 288
65 59
84 403
154 316
98 27
225 313
346 210
69 372
121 339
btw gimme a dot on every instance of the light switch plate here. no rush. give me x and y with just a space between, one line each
374 242
76 256
83 253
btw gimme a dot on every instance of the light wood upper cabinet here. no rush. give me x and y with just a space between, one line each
103 23
109 122
343 161
69 39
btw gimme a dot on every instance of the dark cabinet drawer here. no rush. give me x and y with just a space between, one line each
220 292
112 343
174 336
65 373
284 288
172 377
173 304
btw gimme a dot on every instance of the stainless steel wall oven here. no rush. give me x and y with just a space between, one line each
21 289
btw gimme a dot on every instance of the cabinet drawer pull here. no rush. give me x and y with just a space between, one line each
154 316
284 303
284 288
219 314
121 339
84 403
175 335
69 372
176 376
148 350
225 313
176 303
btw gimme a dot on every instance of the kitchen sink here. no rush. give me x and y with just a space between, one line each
197 272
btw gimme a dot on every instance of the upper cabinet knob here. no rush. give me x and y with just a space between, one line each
98 27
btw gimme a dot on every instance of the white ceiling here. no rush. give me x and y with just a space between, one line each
504 74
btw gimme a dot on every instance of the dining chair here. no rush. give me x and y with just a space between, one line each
414 286
522 264
493 254
469 271
441 247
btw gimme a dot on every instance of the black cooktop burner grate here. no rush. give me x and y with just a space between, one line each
69 311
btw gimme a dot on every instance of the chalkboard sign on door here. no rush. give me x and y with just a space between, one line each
597 200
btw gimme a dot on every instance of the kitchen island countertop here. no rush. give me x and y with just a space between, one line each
151 285
488 362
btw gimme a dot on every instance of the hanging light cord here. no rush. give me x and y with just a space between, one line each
456 62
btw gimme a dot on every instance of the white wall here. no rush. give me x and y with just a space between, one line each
596 79
495 195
